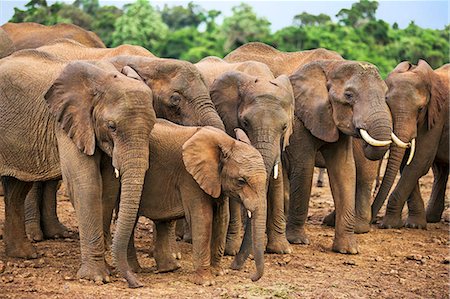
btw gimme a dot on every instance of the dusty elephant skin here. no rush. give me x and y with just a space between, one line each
287 63
418 98
247 96
75 114
33 35
6 44
193 171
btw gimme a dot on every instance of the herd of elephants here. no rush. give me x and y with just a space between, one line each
229 144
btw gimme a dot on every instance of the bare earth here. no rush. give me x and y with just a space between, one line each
403 263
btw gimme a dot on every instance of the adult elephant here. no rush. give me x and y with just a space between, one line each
193 171
71 119
33 35
247 96
287 63
180 95
418 98
335 101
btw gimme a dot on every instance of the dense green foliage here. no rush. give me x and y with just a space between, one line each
191 32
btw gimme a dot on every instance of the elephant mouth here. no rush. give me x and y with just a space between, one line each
374 149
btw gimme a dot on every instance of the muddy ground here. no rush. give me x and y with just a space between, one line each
399 263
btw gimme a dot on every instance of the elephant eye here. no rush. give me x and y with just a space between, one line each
241 182
175 100
348 96
112 126
285 127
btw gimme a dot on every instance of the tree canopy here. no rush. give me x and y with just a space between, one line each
190 32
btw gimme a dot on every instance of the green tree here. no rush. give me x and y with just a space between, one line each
306 19
360 13
141 25
178 17
244 26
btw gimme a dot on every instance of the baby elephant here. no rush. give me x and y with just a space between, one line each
193 171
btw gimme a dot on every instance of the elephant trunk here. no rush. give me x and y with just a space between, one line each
395 159
132 172
380 129
208 115
270 151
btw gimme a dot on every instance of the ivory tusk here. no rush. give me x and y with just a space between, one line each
373 142
411 153
275 171
116 172
398 142
249 214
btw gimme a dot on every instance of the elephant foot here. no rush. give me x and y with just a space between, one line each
391 221
23 249
345 244
416 222
108 240
167 265
330 219
55 230
297 236
232 245
433 217
34 232
217 271
362 226
97 272
278 244
203 276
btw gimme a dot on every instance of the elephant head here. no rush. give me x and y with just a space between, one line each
100 108
263 108
334 97
179 90
416 97
223 166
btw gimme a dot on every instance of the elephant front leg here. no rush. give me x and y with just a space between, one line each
436 206
51 226
276 221
15 238
300 177
33 213
342 174
110 197
164 251
221 218
234 234
416 210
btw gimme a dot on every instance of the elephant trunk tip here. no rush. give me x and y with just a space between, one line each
132 280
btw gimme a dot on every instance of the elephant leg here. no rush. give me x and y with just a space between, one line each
435 206
416 210
234 234
33 213
276 221
163 252
221 218
110 197
330 219
201 219
301 182
82 176
339 160
51 226
14 235
176 253
320 178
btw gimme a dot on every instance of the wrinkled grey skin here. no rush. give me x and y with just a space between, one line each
247 96
76 115
418 98
6 44
288 62
184 179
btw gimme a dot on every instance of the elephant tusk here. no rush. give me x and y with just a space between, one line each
275 171
411 153
373 142
249 214
116 172
398 142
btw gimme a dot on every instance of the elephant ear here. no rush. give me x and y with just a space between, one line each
284 82
70 100
312 104
225 94
130 72
241 136
438 91
402 67
203 154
